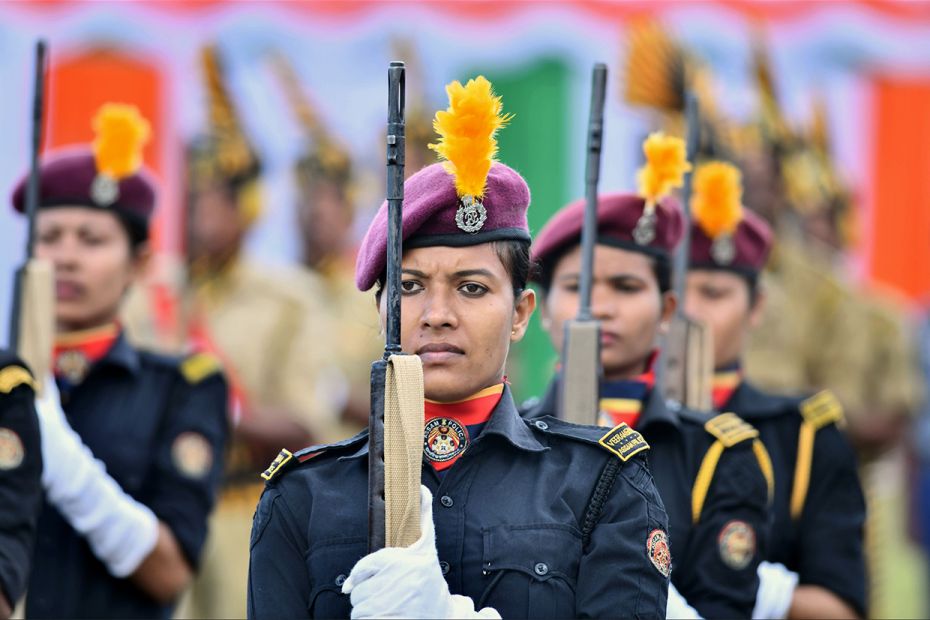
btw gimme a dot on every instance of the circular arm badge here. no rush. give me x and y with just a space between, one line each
12 452
737 544
658 551
192 454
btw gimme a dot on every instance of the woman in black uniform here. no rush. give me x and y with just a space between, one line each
712 473
517 533
133 460
20 471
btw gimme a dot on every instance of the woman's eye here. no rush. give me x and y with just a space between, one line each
571 287
410 286
473 289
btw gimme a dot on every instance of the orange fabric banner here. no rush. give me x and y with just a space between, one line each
900 215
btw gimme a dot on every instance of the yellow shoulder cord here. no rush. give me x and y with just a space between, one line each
704 477
802 468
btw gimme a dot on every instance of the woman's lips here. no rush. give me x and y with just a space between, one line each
67 291
608 338
439 352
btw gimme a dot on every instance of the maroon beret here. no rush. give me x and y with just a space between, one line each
746 250
69 178
434 215
617 218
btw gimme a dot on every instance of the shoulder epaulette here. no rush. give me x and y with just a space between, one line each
199 366
822 409
730 429
817 412
12 377
287 460
621 441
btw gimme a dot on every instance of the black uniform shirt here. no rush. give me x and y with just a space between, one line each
159 425
716 555
20 474
823 543
509 521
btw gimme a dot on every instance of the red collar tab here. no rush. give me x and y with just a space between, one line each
724 384
76 352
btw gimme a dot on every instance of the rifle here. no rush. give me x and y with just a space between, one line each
686 365
395 448
581 353
32 313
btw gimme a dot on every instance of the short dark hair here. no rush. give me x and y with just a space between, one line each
137 229
514 255
545 269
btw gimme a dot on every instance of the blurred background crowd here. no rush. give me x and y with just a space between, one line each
267 138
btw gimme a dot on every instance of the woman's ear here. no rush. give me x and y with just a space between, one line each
140 258
522 312
669 305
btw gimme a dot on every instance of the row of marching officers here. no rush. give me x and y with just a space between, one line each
656 509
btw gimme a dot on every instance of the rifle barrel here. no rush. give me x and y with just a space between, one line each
395 199
693 138
592 176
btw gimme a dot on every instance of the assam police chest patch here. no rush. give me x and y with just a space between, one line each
444 439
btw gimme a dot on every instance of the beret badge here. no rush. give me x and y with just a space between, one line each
467 145
665 168
470 215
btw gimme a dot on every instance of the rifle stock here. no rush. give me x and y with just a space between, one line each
32 323
581 359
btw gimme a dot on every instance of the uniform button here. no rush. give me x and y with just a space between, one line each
446 501
340 579
541 425
444 567
541 568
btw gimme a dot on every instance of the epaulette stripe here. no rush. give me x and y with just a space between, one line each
730 429
623 442
12 377
802 468
703 479
765 464
199 366
284 456
822 409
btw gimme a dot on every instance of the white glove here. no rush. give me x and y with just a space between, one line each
121 531
678 607
776 590
407 582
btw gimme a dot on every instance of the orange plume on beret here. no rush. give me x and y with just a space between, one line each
466 134
121 134
666 165
717 201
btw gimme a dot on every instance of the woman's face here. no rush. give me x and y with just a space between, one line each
89 250
625 298
458 313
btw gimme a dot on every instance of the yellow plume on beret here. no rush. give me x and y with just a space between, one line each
717 203
466 134
121 133
666 165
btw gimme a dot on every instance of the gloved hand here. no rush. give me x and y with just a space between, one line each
776 590
407 582
121 531
678 607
